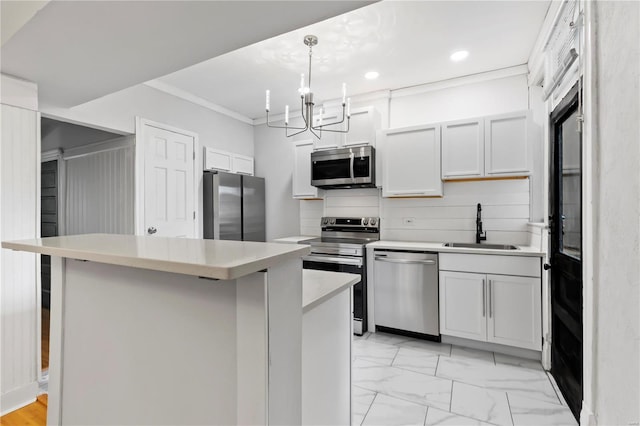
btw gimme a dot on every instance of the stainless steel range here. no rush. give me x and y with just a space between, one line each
341 249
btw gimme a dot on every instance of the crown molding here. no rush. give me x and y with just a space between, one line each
179 93
461 81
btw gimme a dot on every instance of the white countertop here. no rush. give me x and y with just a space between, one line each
439 247
318 286
294 240
206 258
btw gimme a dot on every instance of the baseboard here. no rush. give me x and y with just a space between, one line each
18 398
493 347
587 418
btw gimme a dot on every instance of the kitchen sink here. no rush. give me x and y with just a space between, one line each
482 246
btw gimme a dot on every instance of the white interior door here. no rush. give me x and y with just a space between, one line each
169 199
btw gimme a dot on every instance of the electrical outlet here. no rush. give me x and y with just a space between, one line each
408 221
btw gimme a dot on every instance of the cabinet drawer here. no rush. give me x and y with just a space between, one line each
491 264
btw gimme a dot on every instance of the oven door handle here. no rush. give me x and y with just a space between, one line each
352 159
405 261
332 259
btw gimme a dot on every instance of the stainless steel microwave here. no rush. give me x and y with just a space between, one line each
344 168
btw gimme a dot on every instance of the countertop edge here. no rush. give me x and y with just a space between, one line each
193 269
438 247
310 279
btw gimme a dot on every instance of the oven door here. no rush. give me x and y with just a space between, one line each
350 265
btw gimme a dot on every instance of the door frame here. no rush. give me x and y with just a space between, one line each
139 156
568 105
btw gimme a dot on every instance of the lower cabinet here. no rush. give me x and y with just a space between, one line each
496 308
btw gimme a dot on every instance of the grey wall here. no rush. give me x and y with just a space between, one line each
274 162
617 213
58 134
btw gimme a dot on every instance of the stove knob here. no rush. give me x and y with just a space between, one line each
325 221
365 221
372 221
332 221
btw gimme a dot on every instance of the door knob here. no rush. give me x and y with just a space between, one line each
546 266
151 230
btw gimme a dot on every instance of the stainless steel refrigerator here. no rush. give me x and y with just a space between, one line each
233 207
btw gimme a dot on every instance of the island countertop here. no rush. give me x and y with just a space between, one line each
206 258
318 286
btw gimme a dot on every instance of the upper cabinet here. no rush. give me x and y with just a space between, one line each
411 162
363 125
215 159
506 148
463 149
491 146
301 182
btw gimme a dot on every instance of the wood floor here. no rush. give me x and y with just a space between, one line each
45 338
34 414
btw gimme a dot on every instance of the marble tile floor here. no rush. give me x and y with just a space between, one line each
399 380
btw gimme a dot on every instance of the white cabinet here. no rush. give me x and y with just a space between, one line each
494 307
463 149
215 159
301 185
242 164
462 305
329 140
506 149
362 127
488 147
411 162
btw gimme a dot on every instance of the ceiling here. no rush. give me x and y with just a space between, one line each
407 42
77 51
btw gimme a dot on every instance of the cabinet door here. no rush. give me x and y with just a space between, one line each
507 144
329 140
514 311
301 184
463 149
411 163
242 164
463 305
218 160
362 127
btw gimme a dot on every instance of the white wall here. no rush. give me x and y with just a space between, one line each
99 188
19 219
616 213
117 112
274 162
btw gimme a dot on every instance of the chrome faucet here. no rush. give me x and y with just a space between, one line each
480 236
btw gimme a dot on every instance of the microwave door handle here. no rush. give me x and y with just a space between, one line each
352 161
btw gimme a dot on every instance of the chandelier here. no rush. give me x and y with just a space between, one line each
306 105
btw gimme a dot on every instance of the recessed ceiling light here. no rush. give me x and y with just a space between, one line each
372 75
459 55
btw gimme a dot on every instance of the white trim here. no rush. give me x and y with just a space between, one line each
18 398
18 92
54 154
587 418
536 57
461 81
95 148
590 190
38 265
139 155
182 94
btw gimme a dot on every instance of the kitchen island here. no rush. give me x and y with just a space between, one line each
153 330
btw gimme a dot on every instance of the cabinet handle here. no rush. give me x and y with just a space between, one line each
490 301
484 299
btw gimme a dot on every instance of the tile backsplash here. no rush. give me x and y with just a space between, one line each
505 212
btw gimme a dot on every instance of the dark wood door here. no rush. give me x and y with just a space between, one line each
566 250
48 221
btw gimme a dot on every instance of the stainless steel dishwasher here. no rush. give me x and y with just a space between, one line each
406 292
